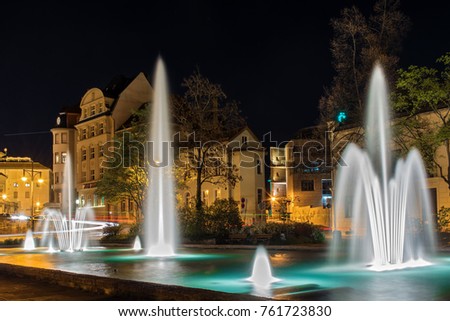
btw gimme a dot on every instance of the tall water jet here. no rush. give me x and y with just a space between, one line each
29 242
262 270
389 208
160 225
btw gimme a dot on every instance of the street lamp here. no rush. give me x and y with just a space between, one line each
33 174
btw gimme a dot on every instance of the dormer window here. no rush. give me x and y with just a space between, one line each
92 111
244 140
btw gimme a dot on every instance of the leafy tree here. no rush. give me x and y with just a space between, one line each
206 120
443 219
126 172
358 42
224 218
422 99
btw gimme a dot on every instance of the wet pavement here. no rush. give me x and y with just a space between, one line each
13 288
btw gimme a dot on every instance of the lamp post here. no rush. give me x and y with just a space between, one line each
33 174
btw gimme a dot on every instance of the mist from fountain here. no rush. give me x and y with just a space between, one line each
160 216
389 208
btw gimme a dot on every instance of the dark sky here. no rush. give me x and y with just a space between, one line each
271 56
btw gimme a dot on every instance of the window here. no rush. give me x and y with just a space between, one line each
63 138
56 178
260 195
16 194
130 205
244 140
217 194
92 111
205 197
63 157
101 172
56 138
326 187
307 185
83 176
102 201
92 176
57 160
100 107
83 133
27 194
123 206
101 128
92 153
258 167
83 154
95 200
187 198
91 131
100 150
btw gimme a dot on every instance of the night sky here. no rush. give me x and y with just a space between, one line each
271 56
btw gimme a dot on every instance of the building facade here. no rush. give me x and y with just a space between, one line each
25 186
100 114
244 151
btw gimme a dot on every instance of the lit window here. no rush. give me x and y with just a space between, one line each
57 160
63 157
217 194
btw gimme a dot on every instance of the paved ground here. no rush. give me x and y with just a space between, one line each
24 289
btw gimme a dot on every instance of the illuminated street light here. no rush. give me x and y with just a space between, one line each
33 174
4 196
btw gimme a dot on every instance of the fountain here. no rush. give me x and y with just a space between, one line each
262 271
29 242
389 208
160 218
69 231
137 244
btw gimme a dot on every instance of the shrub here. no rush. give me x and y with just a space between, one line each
223 218
443 219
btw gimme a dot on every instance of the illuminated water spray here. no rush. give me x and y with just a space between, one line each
389 208
160 216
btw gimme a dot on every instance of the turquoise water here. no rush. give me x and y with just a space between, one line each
304 274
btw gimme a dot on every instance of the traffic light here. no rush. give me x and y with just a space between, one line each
341 117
